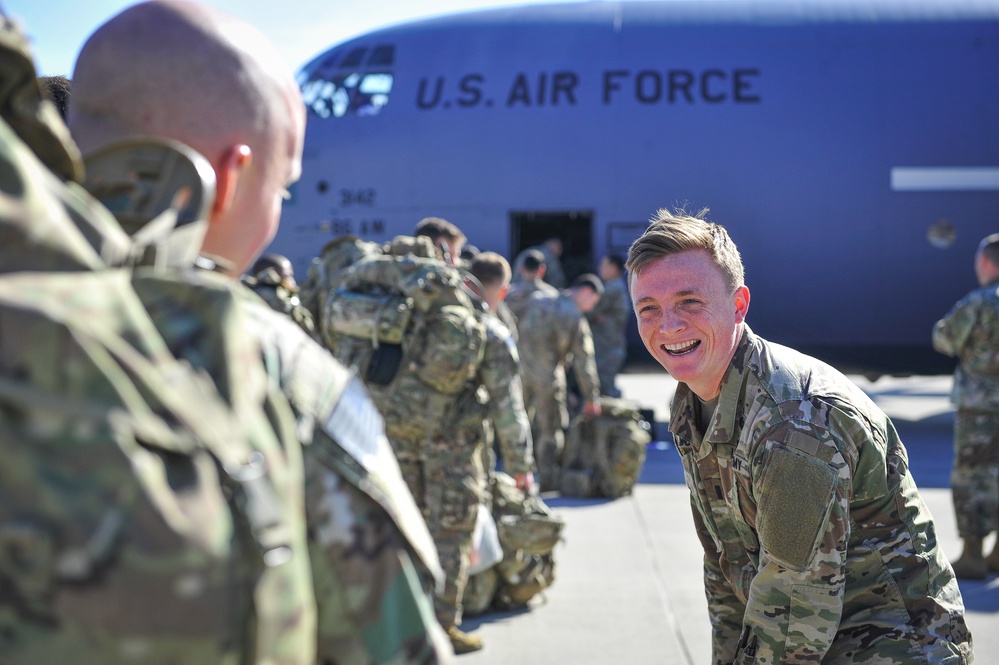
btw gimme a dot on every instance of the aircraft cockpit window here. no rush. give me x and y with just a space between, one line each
349 85
353 59
382 56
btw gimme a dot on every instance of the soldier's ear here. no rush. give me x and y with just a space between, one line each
234 159
741 303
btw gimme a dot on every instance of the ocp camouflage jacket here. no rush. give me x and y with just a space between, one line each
818 547
970 332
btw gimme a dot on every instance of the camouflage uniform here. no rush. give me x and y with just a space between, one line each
554 275
267 284
369 548
608 323
509 319
554 333
445 468
146 515
817 545
501 376
438 394
970 331
520 294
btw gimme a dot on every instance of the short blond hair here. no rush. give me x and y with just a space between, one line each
671 232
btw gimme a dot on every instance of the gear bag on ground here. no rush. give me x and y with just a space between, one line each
604 455
528 532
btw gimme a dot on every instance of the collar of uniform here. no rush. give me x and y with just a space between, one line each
722 426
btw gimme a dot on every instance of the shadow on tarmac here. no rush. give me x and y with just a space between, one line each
980 596
472 622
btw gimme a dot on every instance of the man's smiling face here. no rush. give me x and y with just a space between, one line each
688 318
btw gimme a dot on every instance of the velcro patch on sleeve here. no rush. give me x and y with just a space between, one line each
795 501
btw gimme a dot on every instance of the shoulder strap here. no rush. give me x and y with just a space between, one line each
160 191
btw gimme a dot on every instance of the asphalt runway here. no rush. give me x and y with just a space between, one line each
628 589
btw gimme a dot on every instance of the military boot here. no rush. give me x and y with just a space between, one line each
971 565
462 641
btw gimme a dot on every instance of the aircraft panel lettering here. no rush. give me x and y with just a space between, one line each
616 86
339 225
358 197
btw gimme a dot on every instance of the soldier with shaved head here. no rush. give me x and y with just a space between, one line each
184 71
190 74
817 545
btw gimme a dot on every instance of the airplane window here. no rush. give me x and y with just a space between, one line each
359 93
350 89
353 58
340 102
382 56
376 83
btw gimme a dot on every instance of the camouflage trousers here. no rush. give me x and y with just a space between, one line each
975 477
448 489
609 361
549 416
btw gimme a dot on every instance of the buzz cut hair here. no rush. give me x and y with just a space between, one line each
490 269
672 232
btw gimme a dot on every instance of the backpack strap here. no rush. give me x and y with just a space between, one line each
160 191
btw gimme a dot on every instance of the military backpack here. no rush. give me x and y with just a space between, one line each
528 532
403 319
150 508
604 455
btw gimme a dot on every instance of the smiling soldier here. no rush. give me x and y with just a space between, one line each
817 545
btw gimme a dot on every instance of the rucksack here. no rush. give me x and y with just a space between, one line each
335 256
528 532
150 508
604 455
337 427
125 475
405 323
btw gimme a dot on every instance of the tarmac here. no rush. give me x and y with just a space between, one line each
628 587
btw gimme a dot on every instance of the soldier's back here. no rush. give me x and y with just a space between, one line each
141 520
547 330
970 332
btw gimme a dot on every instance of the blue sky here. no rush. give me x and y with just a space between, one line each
301 29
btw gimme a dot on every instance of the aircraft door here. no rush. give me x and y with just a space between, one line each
573 227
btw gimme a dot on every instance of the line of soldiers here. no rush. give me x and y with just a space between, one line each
444 438
189 475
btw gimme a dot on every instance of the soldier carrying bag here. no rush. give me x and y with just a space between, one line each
403 320
149 506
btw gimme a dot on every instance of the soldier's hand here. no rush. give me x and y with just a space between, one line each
591 408
525 482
